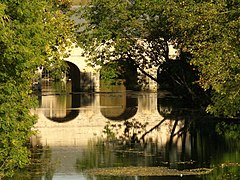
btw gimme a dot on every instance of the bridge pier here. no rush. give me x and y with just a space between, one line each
146 83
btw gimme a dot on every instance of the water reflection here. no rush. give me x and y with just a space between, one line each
59 104
116 104
177 137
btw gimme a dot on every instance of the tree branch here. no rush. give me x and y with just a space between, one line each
142 137
148 75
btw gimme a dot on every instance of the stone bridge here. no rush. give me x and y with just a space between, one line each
85 78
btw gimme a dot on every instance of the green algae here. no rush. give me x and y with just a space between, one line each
146 171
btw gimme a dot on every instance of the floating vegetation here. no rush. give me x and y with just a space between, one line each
146 171
229 164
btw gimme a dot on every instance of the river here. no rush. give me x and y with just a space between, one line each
78 137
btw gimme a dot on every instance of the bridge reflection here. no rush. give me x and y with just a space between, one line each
62 108
94 113
176 136
72 119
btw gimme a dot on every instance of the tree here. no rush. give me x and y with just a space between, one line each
141 30
210 31
137 31
33 33
125 31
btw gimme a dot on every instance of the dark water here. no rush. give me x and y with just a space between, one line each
71 139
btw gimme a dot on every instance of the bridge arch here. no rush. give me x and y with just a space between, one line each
84 77
90 77
74 75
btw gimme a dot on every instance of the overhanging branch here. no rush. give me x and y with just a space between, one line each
148 75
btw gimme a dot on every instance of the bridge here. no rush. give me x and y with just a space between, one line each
83 77
86 78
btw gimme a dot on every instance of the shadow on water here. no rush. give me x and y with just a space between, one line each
181 142
205 150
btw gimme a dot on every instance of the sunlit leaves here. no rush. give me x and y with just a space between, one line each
33 33
210 31
15 125
125 30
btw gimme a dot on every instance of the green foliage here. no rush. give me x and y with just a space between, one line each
138 32
227 170
119 71
179 78
210 31
15 125
132 131
33 33
142 30
109 73
124 31
41 165
64 5
108 131
229 131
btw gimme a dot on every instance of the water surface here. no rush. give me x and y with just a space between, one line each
168 133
